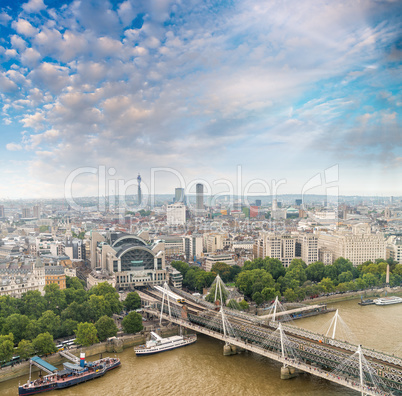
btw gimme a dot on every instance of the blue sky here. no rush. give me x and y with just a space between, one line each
285 89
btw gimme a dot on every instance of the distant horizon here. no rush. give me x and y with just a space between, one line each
193 195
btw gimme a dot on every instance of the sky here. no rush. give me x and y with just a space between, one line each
242 94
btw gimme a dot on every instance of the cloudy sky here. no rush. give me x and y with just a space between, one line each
284 89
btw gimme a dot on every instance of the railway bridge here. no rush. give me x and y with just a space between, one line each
366 371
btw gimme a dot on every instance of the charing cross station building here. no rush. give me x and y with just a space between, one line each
132 260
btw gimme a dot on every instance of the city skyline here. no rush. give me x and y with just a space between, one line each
285 90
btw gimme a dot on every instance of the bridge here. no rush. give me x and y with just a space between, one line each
366 371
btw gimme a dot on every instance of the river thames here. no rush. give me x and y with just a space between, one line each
202 370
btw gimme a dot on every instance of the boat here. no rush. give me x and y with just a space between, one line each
366 302
71 374
158 344
388 300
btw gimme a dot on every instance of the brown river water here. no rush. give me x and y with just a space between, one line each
202 370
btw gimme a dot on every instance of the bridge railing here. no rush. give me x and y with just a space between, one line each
346 381
340 344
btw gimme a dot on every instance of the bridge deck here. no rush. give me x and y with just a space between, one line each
271 355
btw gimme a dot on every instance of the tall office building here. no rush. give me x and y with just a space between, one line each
139 190
26 213
309 248
280 246
199 196
36 211
176 214
193 246
179 195
358 246
258 202
2 211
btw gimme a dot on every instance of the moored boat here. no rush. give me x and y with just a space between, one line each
72 374
366 302
388 300
158 344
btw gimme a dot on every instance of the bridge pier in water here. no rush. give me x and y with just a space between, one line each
229 350
288 372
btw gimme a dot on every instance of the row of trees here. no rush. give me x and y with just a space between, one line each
33 321
262 280
197 279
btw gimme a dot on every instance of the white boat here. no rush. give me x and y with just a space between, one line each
158 344
388 300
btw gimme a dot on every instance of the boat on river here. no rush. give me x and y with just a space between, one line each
158 344
388 300
72 374
369 301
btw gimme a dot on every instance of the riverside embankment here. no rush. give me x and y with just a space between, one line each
126 341
397 291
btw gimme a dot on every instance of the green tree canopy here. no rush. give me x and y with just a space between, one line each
75 283
6 347
371 279
270 293
86 334
250 282
258 298
181 266
290 295
234 271
99 306
25 349
190 278
223 270
44 344
132 323
102 289
346 276
55 298
244 306
105 327
211 295
132 301
32 330
8 306
33 304
398 270
274 267
315 271
233 304
68 327
49 322
17 325
326 285
204 279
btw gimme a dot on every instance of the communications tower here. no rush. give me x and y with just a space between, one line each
139 189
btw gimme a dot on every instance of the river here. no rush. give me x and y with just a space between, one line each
202 370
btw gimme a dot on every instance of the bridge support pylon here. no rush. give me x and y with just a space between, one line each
229 350
288 372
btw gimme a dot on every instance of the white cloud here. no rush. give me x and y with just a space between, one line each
30 57
13 147
34 121
33 6
4 18
6 85
209 83
22 26
51 76
49 135
11 53
18 42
